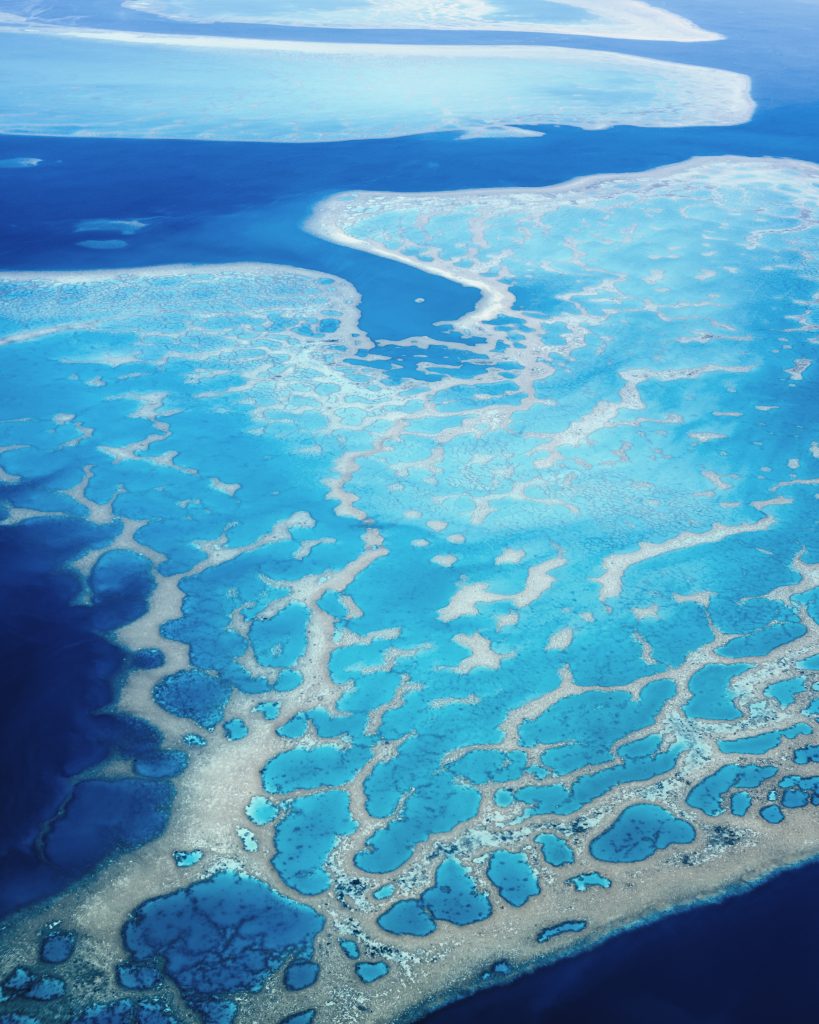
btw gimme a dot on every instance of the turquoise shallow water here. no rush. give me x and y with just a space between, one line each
481 577
442 632
548 16
344 92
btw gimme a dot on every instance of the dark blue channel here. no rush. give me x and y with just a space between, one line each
58 674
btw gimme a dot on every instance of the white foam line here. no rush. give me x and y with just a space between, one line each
162 270
526 51
496 298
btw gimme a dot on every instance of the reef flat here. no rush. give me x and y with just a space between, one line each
624 19
149 85
498 640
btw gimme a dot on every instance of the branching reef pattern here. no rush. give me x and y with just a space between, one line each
502 639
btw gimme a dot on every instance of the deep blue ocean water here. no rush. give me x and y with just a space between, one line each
223 202
739 960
